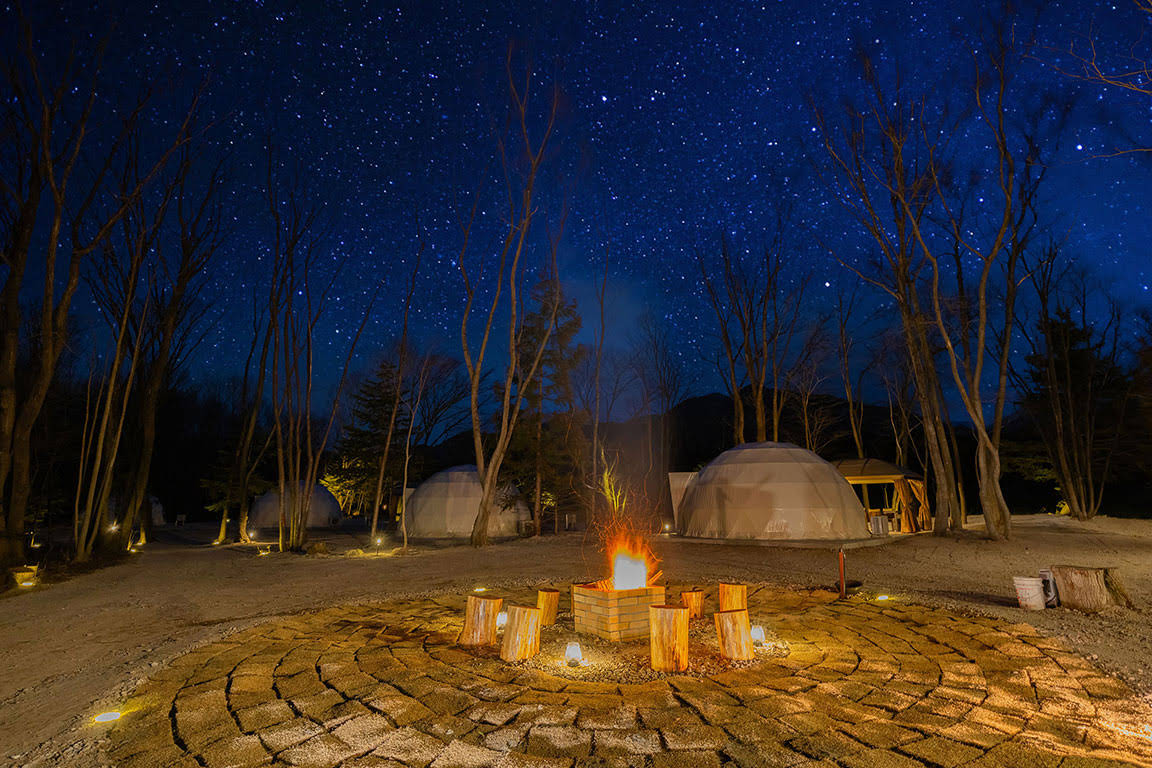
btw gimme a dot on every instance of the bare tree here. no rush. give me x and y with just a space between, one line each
46 121
519 373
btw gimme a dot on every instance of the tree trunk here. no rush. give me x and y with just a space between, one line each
734 633
1089 589
668 637
548 601
733 597
693 600
521 634
480 620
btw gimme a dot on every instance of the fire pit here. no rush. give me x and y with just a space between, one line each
616 608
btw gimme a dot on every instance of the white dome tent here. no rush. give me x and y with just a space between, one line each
771 492
444 507
324 511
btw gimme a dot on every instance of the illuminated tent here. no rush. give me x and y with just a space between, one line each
324 511
771 492
677 484
901 494
445 505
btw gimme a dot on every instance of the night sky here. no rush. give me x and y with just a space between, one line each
679 120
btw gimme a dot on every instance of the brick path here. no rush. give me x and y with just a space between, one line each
864 683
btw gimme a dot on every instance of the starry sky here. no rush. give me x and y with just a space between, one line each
678 121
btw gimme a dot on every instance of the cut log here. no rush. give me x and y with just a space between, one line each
548 601
734 633
1089 589
733 597
480 620
693 600
521 633
668 637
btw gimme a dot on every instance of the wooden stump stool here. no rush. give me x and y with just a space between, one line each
1089 589
548 601
480 620
521 633
668 637
733 597
735 634
693 600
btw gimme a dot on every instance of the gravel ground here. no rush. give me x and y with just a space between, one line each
68 650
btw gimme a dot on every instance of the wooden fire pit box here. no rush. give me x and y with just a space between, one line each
613 614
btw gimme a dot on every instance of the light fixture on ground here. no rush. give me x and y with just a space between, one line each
501 619
480 589
107 717
882 597
757 633
572 655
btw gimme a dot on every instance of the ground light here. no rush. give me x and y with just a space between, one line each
758 635
572 655
501 619
107 717
883 597
480 589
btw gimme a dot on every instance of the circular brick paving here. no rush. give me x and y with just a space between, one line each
864 683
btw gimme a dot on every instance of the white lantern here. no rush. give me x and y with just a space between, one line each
572 655
501 619
758 635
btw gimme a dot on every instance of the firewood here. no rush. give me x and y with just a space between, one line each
655 577
734 632
668 637
548 601
733 597
521 633
693 600
480 620
1089 589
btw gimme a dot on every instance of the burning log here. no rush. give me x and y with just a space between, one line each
734 633
668 637
693 600
733 597
480 620
548 601
521 633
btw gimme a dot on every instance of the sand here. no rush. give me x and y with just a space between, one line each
69 650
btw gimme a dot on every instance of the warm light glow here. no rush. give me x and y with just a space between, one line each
251 534
480 589
264 551
881 597
107 717
667 526
113 528
501 619
379 541
572 655
757 634
27 583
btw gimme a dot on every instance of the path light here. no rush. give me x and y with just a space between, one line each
480 589
113 528
667 526
572 655
501 619
882 597
758 635
107 717
264 551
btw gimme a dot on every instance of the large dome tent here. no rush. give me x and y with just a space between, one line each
445 505
323 512
771 492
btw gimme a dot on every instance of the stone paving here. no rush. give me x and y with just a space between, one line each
864 683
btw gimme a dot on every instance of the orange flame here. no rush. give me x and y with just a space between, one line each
631 560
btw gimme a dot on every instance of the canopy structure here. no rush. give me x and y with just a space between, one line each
771 492
323 511
902 496
445 505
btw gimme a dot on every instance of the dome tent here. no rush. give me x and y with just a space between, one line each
444 507
323 512
771 492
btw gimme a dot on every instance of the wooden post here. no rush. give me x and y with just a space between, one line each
480 620
668 637
734 632
548 601
521 633
843 584
693 600
1089 589
733 597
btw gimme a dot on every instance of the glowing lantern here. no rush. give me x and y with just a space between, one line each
501 619
480 589
107 717
758 635
572 655
881 597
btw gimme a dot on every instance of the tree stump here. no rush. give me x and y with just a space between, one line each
734 632
668 637
733 597
521 633
548 601
693 600
480 620
1089 589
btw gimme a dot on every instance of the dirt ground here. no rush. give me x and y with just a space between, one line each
69 650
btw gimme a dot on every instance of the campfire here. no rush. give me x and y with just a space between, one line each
616 608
